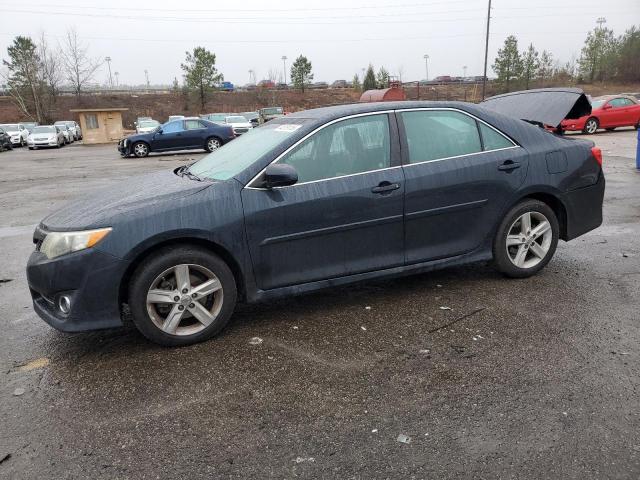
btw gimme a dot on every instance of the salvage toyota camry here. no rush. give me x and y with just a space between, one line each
320 198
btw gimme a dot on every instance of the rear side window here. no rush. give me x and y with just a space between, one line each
193 125
356 145
432 135
493 140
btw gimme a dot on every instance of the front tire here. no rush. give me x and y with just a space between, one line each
526 239
212 144
181 296
140 149
591 126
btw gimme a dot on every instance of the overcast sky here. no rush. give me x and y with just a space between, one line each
339 37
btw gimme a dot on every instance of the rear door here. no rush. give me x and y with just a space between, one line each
459 175
194 135
345 214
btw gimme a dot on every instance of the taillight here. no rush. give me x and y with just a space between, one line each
597 154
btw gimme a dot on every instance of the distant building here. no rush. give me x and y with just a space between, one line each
100 125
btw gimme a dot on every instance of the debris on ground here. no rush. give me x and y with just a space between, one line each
425 351
304 459
255 341
375 430
446 308
364 328
367 307
439 286
6 280
402 438
4 457
18 391
34 364
295 327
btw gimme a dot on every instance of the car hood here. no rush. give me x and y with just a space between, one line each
546 106
140 192
146 136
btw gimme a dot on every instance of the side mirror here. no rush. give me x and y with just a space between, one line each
279 175
159 132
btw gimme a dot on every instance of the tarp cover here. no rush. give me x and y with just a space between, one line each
548 106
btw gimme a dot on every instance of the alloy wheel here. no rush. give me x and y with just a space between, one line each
140 149
184 299
592 126
529 239
212 144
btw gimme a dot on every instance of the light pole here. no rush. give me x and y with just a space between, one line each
426 65
146 74
284 62
108 60
251 76
464 69
117 75
486 52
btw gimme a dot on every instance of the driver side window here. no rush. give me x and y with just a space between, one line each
348 147
173 127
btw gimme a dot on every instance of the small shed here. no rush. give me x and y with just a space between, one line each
100 125
394 93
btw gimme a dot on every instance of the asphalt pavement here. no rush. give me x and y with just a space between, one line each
460 373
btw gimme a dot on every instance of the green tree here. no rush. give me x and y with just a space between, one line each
369 82
598 55
24 77
530 65
629 55
301 74
200 73
382 78
508 64
356 83
545 68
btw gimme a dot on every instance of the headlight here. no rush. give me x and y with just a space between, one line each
61 243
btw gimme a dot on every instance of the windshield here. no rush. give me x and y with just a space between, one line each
70 124
234 157
216 117
148 124
236 119
44 130
10 127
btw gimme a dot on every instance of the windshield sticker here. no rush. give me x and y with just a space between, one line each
288 128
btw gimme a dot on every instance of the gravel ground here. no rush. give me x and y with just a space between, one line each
534 378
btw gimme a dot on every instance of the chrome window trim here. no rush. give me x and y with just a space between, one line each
279 157
386 112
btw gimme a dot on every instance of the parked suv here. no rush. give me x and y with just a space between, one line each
187 134
17 132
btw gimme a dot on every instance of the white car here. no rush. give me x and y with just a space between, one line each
68 136
239 124
146 126
73 127
46 136
175 117
17 132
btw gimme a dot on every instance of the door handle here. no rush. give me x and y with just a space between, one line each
508 166
385 187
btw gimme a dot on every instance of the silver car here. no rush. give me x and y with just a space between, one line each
17 132
46 136
68 136
73 127
146 126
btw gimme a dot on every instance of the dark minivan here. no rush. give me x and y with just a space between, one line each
319 198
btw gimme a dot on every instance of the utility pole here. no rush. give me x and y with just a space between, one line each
600 21
464 69
108 60
486 53
426 66
117 75
146 74
284 61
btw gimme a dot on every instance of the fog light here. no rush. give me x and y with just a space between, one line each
64 304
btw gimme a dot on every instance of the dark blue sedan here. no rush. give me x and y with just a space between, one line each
184 134
319 198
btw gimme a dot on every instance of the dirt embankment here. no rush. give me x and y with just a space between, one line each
161 105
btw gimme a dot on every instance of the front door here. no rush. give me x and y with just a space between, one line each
171 138
343 216
459 175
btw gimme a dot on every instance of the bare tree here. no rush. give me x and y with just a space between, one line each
79 68
272 76
51 74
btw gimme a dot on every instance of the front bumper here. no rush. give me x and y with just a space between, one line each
89 278
124 147
15 140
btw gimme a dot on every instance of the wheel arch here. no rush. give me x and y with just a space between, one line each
151 247
555 203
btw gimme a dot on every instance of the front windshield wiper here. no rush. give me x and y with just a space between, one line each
183 171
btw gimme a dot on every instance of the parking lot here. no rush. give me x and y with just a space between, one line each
460 373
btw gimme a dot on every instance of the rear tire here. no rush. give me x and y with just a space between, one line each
157 283
591 126
212 144
526 239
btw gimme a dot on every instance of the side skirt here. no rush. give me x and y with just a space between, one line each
480 255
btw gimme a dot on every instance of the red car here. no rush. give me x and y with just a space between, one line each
607 112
